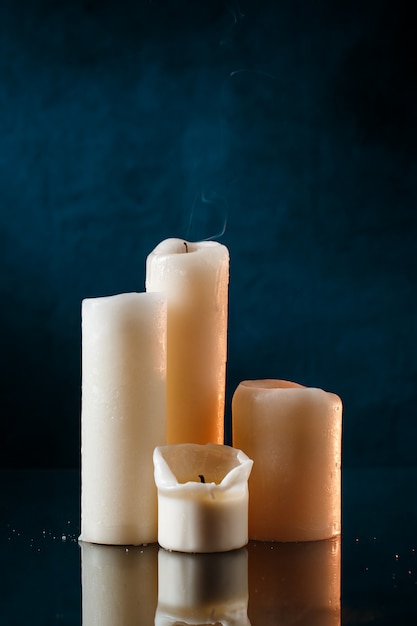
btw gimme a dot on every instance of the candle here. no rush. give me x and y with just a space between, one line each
202 588
119 585
123 416
293 434
194 277
294 583
202 497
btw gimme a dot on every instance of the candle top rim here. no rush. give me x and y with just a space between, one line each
287 387
123 298
182 465
175 246
273 383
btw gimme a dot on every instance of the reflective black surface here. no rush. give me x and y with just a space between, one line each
261 585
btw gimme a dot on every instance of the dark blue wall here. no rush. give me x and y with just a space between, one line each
122 123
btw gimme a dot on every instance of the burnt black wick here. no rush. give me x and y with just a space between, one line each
202 479
186 247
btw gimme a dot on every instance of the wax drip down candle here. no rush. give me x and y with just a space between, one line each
202 497
122 416
293 434
194 277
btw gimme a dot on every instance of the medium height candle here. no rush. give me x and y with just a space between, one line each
293 434
123 416
194 277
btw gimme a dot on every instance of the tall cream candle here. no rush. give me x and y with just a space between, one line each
123 416
194 277
293 434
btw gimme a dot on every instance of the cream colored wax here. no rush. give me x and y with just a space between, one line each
202 497
123 416
194 277
293 434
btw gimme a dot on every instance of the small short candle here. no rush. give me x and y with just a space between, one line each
293 434
196 515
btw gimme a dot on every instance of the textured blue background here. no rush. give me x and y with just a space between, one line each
292 124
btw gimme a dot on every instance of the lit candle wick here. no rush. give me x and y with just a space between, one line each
202 479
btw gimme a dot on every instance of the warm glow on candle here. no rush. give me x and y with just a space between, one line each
194 277
293 434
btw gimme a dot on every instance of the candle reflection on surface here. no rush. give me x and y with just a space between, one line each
119 584
263 584
294 583
202 588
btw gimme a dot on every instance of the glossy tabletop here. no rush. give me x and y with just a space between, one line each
49 578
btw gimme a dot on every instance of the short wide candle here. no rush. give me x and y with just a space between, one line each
202 497
293 434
